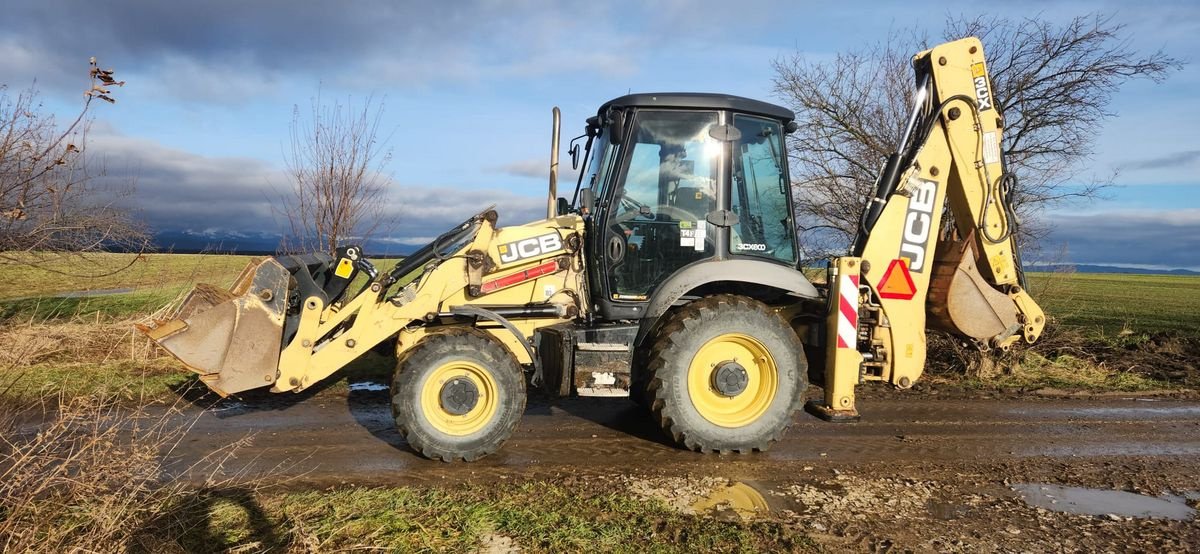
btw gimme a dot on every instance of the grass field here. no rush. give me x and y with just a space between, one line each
86 343
65 288
1104 302
1115 302
541 517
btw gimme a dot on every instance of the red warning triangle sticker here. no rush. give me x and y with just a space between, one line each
897 282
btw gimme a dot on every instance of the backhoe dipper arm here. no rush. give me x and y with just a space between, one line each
903 264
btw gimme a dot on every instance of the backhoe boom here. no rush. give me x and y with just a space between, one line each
905 265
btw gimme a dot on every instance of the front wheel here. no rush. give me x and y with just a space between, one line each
457 394
726 374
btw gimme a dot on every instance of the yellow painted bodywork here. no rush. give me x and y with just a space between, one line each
953 167
323 344
957 165
841 364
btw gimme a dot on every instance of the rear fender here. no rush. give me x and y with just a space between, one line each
692 277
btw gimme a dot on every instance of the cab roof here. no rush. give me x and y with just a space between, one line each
701 100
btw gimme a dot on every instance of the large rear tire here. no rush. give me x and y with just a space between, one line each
457 394
726 374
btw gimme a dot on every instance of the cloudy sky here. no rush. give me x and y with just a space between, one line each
468 86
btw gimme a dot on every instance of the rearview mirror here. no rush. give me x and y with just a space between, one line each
574 152
616 126
564 207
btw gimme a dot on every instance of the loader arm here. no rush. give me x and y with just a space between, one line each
904 266
270 331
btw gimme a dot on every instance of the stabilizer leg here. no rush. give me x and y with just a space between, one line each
843 360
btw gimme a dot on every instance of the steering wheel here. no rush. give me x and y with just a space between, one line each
672 212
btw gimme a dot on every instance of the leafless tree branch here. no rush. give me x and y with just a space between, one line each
336 164
50 203
1053 83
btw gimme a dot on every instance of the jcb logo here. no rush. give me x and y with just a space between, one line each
918 223
979 74
529 248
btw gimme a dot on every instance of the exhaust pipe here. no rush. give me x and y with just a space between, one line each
552 202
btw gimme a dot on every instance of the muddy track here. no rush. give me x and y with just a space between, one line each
328 440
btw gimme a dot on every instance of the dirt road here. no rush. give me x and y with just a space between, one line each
918 472
329 440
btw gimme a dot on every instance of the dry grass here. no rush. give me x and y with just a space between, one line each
1072 358
73 341
91 475
85 355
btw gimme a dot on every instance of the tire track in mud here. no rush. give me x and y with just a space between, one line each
334 440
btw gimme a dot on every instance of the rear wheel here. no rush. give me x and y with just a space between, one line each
457 394
726 374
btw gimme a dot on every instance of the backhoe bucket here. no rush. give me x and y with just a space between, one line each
963 302
231 338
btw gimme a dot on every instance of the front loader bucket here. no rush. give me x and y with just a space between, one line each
963 302
231 338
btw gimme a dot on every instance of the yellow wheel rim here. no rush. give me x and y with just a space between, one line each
459 424
761 380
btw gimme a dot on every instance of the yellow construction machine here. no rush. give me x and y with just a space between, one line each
672 275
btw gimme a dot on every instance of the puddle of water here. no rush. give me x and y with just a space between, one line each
228 405
1135 411
738 499
368 386
1099 502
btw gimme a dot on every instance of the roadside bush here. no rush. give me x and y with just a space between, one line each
1072 357
95 475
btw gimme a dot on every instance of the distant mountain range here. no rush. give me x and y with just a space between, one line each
267 243
190 242
1089 268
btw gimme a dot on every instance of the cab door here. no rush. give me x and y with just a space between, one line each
652 218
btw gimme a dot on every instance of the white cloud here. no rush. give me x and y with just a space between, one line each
181 191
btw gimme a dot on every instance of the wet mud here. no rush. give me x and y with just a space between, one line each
917 473
352 439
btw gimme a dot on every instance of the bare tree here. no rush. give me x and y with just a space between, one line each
50 204
338 185
1052 82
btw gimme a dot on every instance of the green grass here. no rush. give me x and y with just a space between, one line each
105 271
115 306
1111 303
537 517
159 379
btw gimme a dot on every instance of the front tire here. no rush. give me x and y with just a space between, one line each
726 373
457 394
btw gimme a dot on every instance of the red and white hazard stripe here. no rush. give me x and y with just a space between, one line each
847 327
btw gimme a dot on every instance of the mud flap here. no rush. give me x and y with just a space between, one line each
962 301
230 338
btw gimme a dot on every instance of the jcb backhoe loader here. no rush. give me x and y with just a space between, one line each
672 275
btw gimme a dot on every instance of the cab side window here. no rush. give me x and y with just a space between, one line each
759 192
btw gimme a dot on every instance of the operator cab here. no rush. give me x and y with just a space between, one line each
677 179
